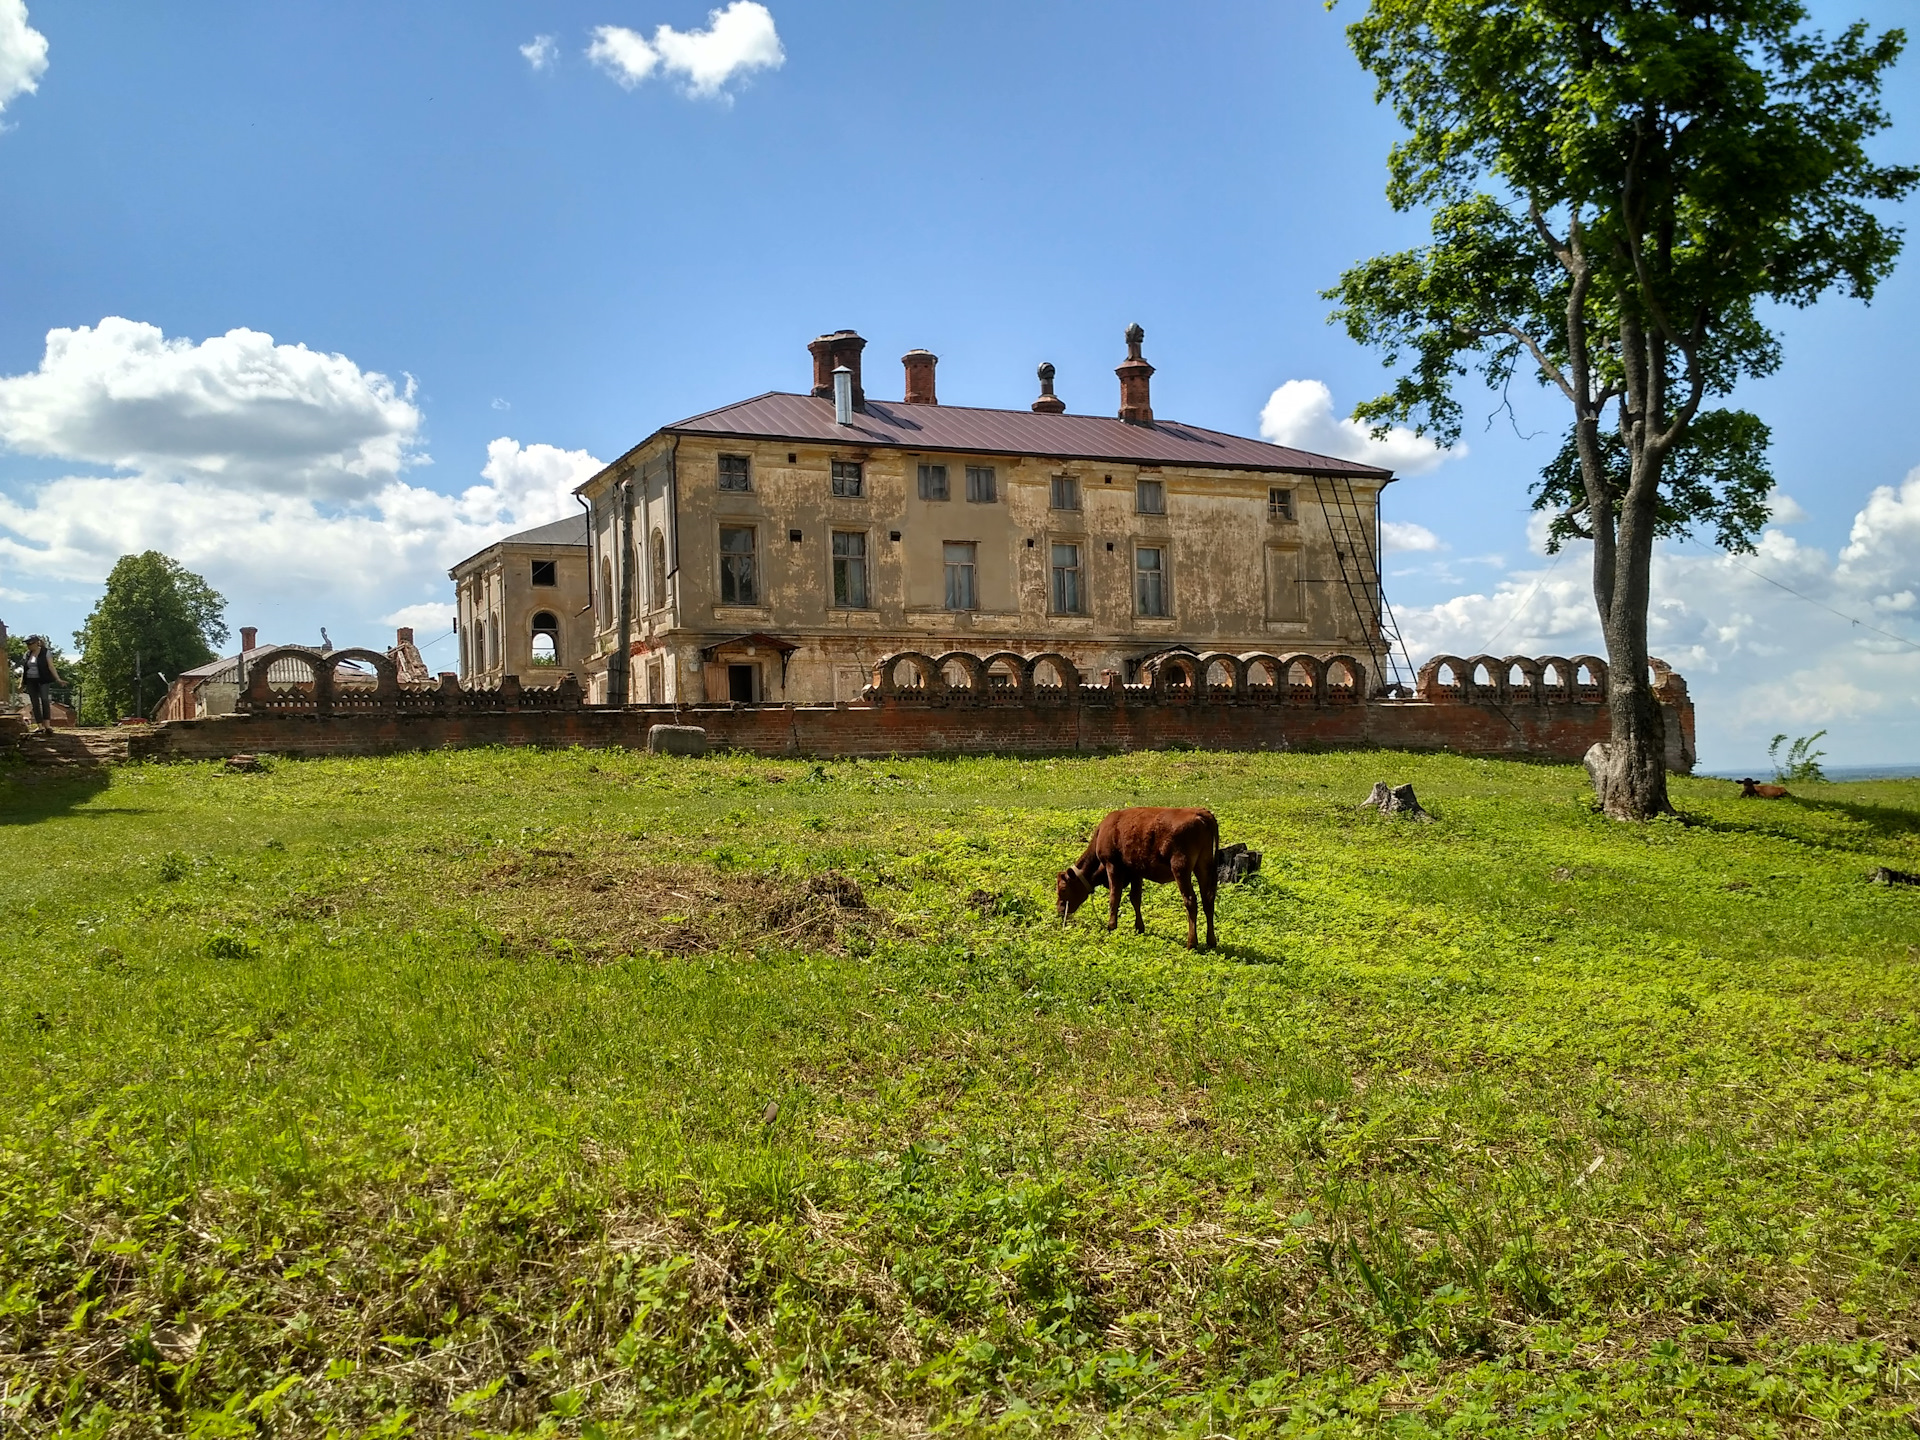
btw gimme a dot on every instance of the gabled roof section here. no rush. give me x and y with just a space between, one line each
778 415
571 530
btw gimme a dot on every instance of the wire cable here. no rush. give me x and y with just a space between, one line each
1851 620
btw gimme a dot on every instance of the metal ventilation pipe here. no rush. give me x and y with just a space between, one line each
842 395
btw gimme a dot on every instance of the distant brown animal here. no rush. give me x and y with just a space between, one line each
1752 790
1148 843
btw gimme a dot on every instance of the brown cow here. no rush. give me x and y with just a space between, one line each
1149 843
1751 789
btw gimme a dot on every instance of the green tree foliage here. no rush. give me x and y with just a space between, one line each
1618 190
1802 761
155 619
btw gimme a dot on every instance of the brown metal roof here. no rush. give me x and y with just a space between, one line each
780 416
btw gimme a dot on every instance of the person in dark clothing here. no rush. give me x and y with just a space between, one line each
38 676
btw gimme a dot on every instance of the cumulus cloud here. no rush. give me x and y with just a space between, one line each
1300 415
23 53
274 470
541 52
1405 535
237 408
739 38
1768 642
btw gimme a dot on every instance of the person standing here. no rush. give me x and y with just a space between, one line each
38 675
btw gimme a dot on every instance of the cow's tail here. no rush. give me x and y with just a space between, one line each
1213 836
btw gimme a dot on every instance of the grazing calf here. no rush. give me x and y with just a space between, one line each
1753 790
1149 843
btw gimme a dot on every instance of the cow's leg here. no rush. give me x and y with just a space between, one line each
1184 880
1139 924
1209 886
1114 883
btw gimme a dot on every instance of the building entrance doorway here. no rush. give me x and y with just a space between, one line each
742 682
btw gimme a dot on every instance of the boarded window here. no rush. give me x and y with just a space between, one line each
739 585
849 479
1285 596
546 572
1150 497
1068 598
1064 493
1150 580
960 557
657 594
850 569
933 482
733 473
982 488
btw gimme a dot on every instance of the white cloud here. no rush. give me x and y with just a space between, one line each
23 53
1300 414
1758 658
1405 535
428 620
236 408
273 470
1784 509
739 38
541 52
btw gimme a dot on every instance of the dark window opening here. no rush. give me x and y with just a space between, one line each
546 639
933 482
740 683
737 580
733 473
546 572
981 489
794 536
849 479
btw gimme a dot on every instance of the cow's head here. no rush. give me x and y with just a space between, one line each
1070 892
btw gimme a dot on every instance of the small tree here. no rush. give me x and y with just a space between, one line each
1616 187
155 619
1802 762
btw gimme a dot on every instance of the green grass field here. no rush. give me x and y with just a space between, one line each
586 1094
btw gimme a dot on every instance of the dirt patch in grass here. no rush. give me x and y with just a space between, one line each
601 909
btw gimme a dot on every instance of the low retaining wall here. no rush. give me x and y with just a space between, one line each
1552 710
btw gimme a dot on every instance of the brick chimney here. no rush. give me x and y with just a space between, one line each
249 638
920 365
1136 401
404 635
1048 403
829 353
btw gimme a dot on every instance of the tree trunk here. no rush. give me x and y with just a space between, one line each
1634 784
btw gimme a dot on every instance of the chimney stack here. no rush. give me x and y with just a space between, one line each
404 635
842 395
1048 403
830 352
920 365
249 638
1136 402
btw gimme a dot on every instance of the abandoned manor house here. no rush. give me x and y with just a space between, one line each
775 549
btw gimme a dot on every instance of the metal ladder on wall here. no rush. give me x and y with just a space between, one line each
1353 545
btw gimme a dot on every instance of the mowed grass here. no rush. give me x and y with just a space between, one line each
587 1094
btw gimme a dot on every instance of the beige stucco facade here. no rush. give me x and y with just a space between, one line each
1249 561
523 607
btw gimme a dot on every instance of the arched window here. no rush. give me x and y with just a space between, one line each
546 639
658 595
493 643
606 593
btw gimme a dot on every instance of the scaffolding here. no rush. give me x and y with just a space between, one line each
1359 558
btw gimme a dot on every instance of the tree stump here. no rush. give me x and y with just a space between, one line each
1396 800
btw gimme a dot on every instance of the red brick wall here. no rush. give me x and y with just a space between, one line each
1042 726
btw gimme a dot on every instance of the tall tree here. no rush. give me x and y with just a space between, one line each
1617 189
155 619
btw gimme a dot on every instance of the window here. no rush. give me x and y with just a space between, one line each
933 482
981 489
733 473
960 557
850 569
849 479
1150 580
544 573
738 584
1280 504
742 681
1065 492
1066 579
546 640
1150 497
606 591
657 596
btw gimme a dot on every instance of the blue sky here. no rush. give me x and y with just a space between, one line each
545 264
